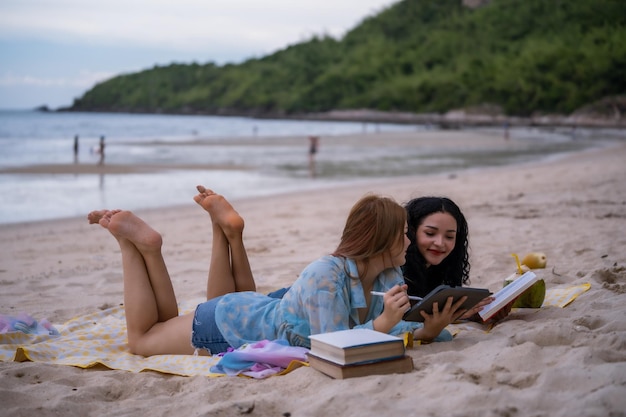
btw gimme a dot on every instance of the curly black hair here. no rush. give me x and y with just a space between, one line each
454 269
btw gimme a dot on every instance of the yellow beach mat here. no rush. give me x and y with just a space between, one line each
561 297
100 339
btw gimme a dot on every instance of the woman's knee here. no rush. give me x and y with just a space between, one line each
170 337
137 347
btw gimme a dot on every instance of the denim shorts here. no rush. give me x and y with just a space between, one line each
278 293
204 332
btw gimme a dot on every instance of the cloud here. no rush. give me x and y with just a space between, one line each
184 24
83 80
52 51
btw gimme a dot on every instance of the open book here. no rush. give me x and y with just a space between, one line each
508 293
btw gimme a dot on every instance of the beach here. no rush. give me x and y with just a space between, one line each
550 361
171 153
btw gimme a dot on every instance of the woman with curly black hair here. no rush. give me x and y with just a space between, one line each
438 252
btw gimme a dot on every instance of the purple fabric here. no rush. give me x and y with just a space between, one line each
26 324
260 359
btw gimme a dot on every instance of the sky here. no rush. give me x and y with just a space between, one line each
53 51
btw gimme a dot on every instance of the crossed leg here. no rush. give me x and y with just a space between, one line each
152 320
153 324
229 270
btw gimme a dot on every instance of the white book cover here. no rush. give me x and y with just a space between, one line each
508 294
354 337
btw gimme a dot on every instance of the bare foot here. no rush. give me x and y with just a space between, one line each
95 216
125 225
202 198
221 211
202 190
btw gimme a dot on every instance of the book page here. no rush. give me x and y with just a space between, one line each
508 293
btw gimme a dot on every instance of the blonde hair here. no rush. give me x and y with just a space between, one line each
374 226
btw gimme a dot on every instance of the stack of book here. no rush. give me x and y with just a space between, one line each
358 352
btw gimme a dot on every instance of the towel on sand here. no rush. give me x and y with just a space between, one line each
100 339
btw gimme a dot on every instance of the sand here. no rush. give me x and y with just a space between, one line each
548 362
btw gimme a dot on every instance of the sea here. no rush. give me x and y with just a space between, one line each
240 163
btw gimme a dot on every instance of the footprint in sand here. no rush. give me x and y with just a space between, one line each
612 279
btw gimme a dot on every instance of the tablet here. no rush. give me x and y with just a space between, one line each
440 295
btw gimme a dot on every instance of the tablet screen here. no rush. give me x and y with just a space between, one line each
440 295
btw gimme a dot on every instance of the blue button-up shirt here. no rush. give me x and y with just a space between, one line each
325 297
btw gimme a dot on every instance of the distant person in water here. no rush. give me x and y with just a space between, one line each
101 150
313 145
76 148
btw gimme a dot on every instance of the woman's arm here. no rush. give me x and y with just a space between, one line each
396 303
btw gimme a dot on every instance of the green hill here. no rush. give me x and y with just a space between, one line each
524 56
